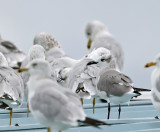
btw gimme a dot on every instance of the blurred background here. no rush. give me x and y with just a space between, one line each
134 23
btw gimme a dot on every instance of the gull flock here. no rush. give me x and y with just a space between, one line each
55 85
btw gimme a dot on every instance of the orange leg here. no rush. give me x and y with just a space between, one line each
10 117
27 109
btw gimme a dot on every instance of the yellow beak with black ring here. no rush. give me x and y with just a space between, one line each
150 64
22 70
89 44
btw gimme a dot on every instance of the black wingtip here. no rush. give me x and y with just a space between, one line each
141 89
97 123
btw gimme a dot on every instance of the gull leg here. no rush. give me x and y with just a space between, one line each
94 102
60 131
27 109
109 108
10 117
119 110
81 101
48 129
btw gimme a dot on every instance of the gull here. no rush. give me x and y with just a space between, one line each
54 53
35 52
50 44
11 52
82 77
98 34
11 87
115 87
52 105
155 81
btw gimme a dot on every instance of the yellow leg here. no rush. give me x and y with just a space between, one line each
27 109
81 101
10 117
48 130
94 102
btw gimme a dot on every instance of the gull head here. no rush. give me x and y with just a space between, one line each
3 61
46 40
36 52
38 67
156 62
102 56
92 29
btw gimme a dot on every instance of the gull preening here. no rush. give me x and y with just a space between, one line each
11 52
82 78
11 87
52 105
98 34
155 81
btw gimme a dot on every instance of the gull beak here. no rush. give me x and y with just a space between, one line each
150 64
89 44
22 70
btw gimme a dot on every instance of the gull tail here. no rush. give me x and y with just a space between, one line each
96 123
141 89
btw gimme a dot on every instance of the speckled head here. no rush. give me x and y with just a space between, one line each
46 40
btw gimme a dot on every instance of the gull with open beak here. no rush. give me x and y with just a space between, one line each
155 81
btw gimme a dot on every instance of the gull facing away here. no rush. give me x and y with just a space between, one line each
98 34
115 87
11 87
54 53
82 77
50 44
52 105
35 52
155 81
11 52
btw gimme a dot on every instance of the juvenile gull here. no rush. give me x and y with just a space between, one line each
50 44
52 105
11 52
98 34
115 87
54 53
35 52
155 81
11 87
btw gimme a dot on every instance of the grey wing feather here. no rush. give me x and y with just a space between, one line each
113 83
56 105
113 45
11 84
12 53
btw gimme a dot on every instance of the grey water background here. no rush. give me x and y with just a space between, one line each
134 23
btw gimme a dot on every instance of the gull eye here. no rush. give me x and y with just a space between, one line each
34 64
88 34
103 60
